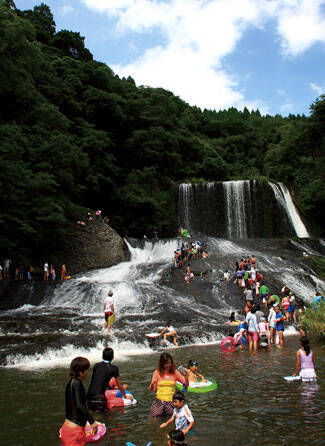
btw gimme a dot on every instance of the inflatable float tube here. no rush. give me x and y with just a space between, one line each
101 431
231 348
235 323
115 398
199 387
274 298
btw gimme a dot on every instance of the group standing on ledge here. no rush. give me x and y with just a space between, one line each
18 271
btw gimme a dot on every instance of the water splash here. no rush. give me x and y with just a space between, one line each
283 197
236 207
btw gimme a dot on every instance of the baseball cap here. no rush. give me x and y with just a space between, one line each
193 363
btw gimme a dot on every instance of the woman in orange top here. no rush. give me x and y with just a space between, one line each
63 272
164 381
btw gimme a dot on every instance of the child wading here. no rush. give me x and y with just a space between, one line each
182 415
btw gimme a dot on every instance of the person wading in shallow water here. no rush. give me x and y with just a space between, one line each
279 318
164 382
109 310
103 372
77 415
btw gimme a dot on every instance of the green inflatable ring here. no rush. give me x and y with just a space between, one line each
275 299
209 388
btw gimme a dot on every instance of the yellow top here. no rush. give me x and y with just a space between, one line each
166 389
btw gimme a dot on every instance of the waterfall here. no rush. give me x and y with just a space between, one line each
283 197
234 192
239 209
184 202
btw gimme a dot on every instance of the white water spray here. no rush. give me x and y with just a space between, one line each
236 208
283 197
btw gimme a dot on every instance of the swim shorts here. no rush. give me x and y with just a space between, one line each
108 314
73 436
161 408
253 336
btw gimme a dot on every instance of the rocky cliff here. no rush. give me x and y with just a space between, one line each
95 245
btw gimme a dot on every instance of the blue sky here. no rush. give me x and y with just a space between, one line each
266 54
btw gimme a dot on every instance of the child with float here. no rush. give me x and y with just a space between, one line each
193 374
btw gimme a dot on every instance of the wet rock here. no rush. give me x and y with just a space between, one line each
93 246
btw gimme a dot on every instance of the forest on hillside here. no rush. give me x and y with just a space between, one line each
75 137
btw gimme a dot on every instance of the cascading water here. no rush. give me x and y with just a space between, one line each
236 208
184 200
283 196
148 291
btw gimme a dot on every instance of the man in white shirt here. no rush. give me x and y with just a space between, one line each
109 311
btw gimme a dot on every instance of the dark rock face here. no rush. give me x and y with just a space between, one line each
93 246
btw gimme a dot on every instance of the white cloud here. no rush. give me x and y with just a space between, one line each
197 34
286 108
66 9
319 90
301 23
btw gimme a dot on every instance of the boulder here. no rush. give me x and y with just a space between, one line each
95 245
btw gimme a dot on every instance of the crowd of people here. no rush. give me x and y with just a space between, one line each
257 329
105 375
10 270
170 402
186 253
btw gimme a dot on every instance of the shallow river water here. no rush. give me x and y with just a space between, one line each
253 404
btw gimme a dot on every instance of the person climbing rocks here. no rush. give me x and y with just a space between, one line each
169 331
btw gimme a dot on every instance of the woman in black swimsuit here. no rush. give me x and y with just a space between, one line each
77 415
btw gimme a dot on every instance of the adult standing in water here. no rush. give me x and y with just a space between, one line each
272 324
77 415
164 381
279 318
103 372
109 311
252 330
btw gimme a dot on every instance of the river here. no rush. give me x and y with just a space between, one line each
253 404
